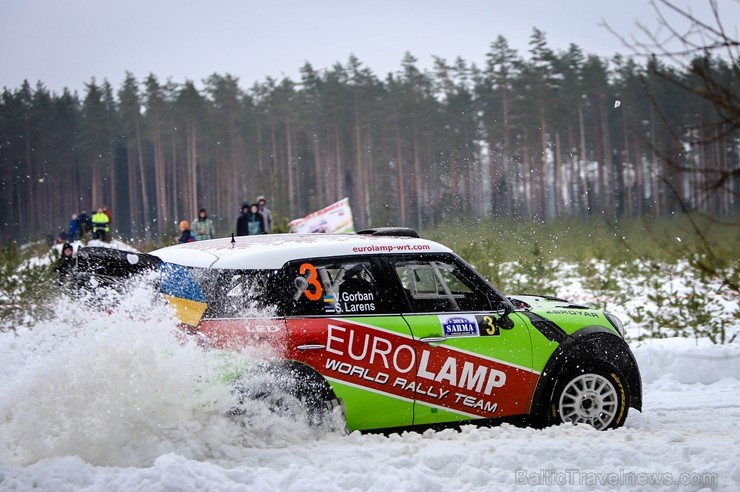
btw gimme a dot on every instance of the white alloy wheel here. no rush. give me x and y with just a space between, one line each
589 399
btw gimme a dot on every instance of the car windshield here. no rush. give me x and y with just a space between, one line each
434 286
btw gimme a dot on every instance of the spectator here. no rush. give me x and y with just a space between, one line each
65 265
241 222
203 226
73 226
100 226
84 224
110 216
185 235
266 213
255 222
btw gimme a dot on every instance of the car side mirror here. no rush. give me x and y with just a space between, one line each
503 321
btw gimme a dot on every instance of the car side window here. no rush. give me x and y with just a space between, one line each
436 285
345 286
238 293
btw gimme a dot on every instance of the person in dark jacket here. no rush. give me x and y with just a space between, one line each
255 222
185 235
110 215
65 265
241 222
84 224
266 213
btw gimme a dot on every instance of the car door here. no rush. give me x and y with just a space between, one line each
343 323
470 364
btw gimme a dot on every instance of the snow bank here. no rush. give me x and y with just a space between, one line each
687 361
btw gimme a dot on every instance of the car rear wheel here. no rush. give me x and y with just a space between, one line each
295 394
592 396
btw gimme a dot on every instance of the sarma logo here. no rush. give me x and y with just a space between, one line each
458 325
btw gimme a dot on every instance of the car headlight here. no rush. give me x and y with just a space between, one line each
616 323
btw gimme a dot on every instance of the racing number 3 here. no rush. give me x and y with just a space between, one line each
313 280
488 326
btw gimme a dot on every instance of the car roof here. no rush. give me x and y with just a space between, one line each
272 251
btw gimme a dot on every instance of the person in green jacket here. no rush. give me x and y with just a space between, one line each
202 226
101 226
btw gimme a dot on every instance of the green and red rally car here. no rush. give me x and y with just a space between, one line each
400 331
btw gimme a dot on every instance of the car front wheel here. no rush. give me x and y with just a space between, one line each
592 396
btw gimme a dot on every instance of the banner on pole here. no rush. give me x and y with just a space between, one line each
334 219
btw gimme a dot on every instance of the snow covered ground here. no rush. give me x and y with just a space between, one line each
109 402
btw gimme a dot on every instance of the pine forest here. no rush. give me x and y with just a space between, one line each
539 135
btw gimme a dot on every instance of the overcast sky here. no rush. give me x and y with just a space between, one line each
65 43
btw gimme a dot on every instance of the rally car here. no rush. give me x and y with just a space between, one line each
400 332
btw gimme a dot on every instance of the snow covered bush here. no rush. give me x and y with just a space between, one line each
26 289
660 299
685 302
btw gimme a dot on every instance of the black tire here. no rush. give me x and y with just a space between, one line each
590 395
315 411
295 394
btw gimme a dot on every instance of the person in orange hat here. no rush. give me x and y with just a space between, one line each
185 235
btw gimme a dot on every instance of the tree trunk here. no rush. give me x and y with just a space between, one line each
291 171
359 181
160 178
320 173
417 180
582 168
400 180
556 190
144 194
541 170
30 179
132 187
192 156
607 174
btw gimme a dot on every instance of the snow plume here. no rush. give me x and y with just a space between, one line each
124 386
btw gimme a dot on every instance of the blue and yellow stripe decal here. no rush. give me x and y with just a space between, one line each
183 292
